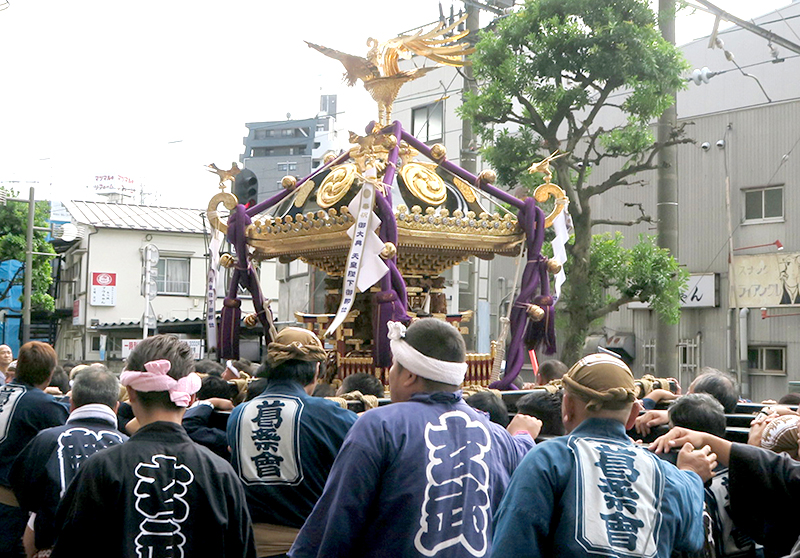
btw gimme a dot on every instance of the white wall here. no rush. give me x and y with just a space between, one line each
119 251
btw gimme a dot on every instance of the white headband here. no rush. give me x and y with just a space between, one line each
451 373
235 371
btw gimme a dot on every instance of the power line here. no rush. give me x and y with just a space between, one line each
784 158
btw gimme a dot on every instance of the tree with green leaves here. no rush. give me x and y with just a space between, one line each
551 77
13 228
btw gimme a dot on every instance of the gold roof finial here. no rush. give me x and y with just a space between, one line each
380 72
544 166
225 174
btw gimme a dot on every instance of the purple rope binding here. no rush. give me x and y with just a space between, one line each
391 303
244 273
531 219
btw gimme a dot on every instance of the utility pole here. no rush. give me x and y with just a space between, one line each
26 297
27 288
666 334
468 155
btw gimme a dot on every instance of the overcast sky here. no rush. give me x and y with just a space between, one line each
154 90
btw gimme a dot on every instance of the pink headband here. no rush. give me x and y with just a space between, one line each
155 378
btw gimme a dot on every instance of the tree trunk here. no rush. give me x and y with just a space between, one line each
576 307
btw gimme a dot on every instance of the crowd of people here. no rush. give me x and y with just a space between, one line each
177 457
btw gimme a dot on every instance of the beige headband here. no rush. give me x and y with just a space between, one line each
295 343
781 435
602 380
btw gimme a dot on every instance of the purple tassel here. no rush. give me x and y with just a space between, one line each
387 308
541 335
230 317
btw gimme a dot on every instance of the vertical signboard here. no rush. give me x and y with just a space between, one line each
104 289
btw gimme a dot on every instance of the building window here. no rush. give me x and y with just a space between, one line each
262 151
649 356
287 166
767 360
689 359
173 276
287 133
263 133
763 204
427 123
96 343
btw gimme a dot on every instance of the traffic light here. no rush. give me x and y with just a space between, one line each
245 188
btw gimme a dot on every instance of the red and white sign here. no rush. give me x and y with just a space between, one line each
128 345
104 279
104 289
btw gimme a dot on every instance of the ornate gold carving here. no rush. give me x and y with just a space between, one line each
546 190
303 192
227 200
390 141
438 151
407 153
336 185
465 189
424 183
483 225
429 241
288 182
251 320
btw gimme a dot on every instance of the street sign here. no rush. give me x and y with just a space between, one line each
150 259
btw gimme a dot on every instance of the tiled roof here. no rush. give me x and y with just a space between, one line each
136 217
138 323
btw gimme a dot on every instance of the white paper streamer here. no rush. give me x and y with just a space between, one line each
559 248
211 292
364 266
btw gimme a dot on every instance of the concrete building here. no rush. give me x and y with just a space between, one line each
275 149
737 192
102 274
